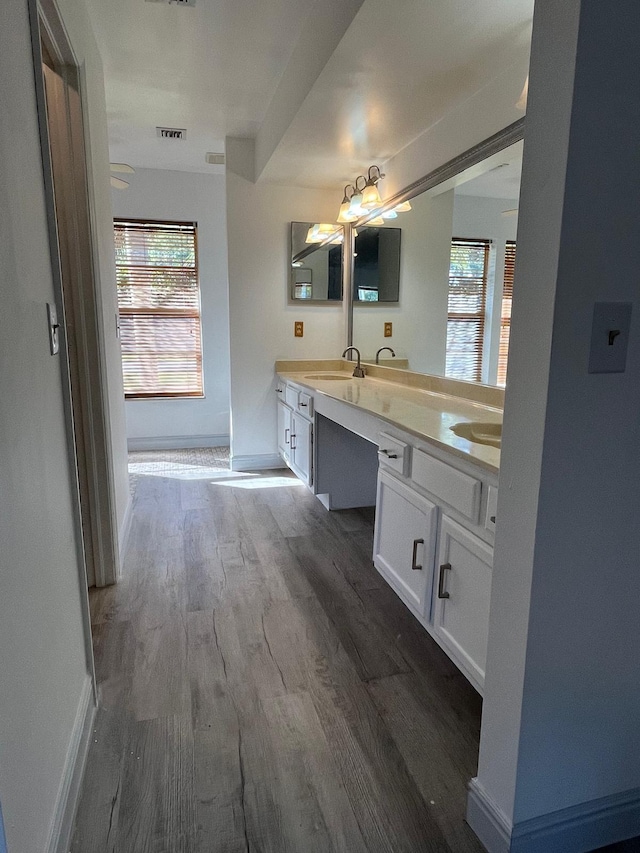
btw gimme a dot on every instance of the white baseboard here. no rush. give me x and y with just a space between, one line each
177 442
488 822
577 829
69 791
261 462
125 528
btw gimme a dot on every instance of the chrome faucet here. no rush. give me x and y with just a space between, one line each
358 371
380 350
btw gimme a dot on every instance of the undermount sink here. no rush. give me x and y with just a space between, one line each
331 376
479 432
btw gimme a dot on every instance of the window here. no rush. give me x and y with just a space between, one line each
467 299
505 314
159 302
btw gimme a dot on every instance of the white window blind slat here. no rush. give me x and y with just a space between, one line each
505 317
467 305
159 304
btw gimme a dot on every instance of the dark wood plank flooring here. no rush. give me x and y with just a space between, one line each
262 688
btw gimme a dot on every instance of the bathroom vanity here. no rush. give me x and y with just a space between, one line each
388 440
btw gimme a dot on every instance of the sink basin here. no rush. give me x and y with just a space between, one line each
330 376
479 432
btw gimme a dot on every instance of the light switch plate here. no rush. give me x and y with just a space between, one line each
54 327
609 337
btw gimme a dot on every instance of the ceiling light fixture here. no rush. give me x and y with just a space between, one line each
355 204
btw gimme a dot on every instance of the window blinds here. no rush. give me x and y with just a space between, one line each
159 302
505 315
467 300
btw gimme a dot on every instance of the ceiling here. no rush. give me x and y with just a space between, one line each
325 86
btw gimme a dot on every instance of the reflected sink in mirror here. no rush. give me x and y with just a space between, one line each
329 376
479 432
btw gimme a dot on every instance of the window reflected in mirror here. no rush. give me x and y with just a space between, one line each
456 274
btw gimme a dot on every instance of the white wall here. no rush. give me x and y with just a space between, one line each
478 217
42 661
420 318
562 696
261 320
184 196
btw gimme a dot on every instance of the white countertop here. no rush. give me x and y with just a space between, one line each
423 413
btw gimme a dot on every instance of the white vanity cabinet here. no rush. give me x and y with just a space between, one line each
404 542
301 447
295 430
462 594
431 513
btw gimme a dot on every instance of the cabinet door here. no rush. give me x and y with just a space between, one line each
462 595
284 430
301 447
404 541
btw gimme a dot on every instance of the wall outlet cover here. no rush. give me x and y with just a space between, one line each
298 329
388 330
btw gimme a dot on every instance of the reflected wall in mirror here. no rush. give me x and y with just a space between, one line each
376 264
456 276
316 262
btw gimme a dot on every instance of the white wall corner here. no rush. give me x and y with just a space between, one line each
240 157
488 821
69 791
261 462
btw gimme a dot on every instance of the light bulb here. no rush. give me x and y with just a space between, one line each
371 197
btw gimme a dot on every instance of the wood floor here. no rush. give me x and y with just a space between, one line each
262 688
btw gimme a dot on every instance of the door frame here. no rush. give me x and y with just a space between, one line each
72 242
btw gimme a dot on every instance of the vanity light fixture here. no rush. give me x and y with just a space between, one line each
377 220
320 233
403 207
371 198
389 214
345 214
355 204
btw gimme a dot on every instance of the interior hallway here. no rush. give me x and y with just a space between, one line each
262 689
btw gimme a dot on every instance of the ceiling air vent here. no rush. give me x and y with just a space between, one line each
171 132
174 2
214 159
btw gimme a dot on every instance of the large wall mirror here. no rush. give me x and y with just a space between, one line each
455 269
316 262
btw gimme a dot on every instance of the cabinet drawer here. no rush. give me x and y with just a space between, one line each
305 404
393 454
291 396
459 490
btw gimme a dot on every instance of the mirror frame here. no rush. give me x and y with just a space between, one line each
472 156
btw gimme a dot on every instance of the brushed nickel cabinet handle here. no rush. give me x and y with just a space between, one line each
291 444
304 405
441 591
389 455
414 556
286 437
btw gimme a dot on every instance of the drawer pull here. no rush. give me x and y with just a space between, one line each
278 390
304 405
441 591
286 435
389 454
414 557
292 445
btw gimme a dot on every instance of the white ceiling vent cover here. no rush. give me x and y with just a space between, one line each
171 132
174 2
215 159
